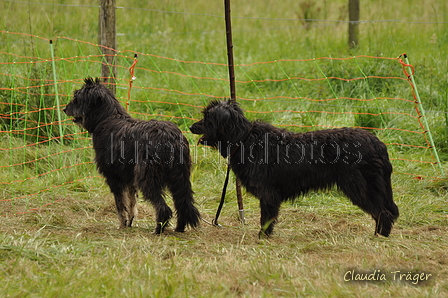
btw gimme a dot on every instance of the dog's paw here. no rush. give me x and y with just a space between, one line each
157 231
159 228
263 235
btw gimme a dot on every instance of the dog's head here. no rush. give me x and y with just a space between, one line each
223 125
93 102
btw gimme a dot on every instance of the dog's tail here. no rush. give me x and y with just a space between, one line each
388 200
190 215
187 213
387 217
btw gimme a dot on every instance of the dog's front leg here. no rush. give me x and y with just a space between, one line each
119 204
269 212
130 206
125 204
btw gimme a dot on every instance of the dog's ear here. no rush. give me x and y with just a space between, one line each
89 81
224 116
92 94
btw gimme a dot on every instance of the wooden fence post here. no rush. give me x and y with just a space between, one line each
353 25
108 42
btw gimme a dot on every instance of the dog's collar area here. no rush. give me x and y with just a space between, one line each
201 139
235 149
241 142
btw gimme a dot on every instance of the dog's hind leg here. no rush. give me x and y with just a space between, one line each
358 188
151 188
366 189
270 207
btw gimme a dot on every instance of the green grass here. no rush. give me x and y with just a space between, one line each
72 248
58 236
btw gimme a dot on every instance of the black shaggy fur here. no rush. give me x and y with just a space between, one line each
136 155
276 165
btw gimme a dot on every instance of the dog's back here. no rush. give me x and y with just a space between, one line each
132 142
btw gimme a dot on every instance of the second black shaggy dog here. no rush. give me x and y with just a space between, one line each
135 155
276 165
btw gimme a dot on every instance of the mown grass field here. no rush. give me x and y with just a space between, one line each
72 248
59 236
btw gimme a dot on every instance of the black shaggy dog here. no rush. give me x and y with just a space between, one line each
136 155
276 165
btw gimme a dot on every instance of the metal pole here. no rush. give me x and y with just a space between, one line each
232 93
230 50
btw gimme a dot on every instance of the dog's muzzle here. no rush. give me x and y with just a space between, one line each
202 140
197 131
76 119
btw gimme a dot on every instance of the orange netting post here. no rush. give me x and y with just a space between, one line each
131 81
419 107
